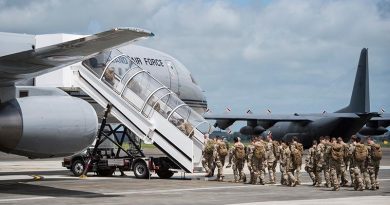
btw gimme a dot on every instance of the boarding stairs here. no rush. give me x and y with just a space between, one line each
149 109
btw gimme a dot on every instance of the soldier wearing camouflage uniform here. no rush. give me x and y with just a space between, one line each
237 154
297 160
271 149
249 156
283 163
220 153
319 153
335 163
325 167
342 177
373 162
351 149
208 156
291 181
359 157
310 162
258 161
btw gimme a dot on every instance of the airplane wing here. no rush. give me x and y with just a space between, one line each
31 63
383 120
225 120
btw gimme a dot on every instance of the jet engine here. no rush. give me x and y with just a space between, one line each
46 126
373 130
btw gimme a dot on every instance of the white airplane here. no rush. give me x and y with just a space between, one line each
39 121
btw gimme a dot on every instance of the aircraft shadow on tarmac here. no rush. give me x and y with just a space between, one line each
39 190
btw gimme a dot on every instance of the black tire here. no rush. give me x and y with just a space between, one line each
105 172
78 167
165 174
141 171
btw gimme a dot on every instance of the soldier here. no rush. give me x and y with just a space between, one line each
373 162
283 163
359 156
249 157
208 156
271 149
310 162
351 149
335 163
290 166
297 154
237 154
320 149
258 159
220 152
343 166
325 167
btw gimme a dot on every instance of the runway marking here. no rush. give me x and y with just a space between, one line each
347 200
178 190
25 199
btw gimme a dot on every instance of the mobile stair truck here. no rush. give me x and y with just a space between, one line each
147 109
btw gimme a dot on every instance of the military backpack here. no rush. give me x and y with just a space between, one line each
209 149
259 151
239 151
337 152
222 149
360 152
376 152
296 157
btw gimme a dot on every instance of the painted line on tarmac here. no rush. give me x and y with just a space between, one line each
178 190
25 199
347 200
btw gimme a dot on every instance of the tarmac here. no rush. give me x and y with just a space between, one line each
19 185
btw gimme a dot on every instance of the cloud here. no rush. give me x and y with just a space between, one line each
289 56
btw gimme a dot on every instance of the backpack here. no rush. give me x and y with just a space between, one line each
360 152
296 157
239 151
222 149
276 149
259 151
299 146
209 149
376 152
337 152
346 151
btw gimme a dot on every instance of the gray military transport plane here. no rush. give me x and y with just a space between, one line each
41 122
307 127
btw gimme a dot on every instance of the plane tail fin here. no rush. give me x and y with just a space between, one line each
360 99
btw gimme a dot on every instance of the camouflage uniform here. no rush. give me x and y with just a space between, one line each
297 165
319 159
208 159
372 167
290 168
238 164
344 167
283 163
335 168
271 162
258 167
249 156
351 149
219 161
326 166
310 163
358 171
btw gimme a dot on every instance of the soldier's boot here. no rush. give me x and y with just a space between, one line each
243 177
294 183
336 188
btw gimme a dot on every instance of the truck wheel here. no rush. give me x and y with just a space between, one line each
105 172
78 167
141 171
165 174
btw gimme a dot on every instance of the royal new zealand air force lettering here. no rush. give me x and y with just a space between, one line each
141 61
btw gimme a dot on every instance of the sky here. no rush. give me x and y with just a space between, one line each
289 56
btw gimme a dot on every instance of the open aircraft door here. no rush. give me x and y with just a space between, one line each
173 76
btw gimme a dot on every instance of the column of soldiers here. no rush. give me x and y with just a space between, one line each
331 158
